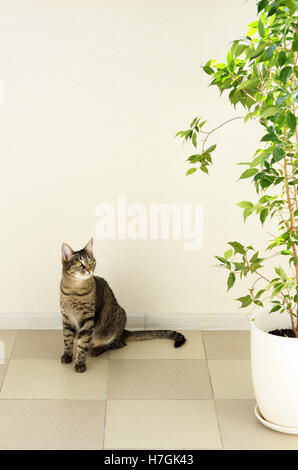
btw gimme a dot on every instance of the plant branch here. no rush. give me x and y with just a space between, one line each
218 127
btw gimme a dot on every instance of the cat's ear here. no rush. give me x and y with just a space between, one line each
89 246
67 252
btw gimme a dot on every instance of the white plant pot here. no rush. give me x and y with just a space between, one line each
274 363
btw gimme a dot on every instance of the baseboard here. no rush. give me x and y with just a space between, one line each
48 321
181 321
197 321
30 321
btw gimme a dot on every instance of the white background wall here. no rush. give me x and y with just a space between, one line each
95 91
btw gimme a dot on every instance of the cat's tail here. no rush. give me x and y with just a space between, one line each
141 335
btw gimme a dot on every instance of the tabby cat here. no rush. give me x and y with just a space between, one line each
91 312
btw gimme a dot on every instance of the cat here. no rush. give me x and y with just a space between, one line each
91 313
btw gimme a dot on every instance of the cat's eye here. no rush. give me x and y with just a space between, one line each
79 263
91 261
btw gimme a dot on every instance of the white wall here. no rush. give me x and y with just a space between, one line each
95 91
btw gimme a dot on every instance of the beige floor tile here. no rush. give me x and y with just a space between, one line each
231 379
161 424
241 430
8 337
163 349
227 344
41 344
51 424
38 344
49 379
158 379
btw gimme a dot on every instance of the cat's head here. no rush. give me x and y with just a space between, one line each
78 264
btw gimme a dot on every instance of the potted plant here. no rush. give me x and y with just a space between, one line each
260 76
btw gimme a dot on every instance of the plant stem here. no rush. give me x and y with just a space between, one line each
213 130
291 228
296 130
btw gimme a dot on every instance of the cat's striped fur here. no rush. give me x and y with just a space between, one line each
91 312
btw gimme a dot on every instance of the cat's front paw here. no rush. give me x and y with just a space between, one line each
66 358
80 367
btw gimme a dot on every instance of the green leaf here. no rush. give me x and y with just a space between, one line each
261 5
245 301
261 157
221 259
248 211
264 199
194 158
179 133
190 171
210 149
266 181
240 49
278 154
231 280
272 10
255 257
263 215
259 293
261 29
221 66
277 290
251 83
281 99
230 61
208 70
291 121
280 272
234 47
251 32
239 266
194 139
228 253
248 173
282 58
270 51
285 74
238 247
210 62
245 204
295 42
269 111
194 121
269 138
275 308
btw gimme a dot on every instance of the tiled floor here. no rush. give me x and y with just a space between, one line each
148 395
